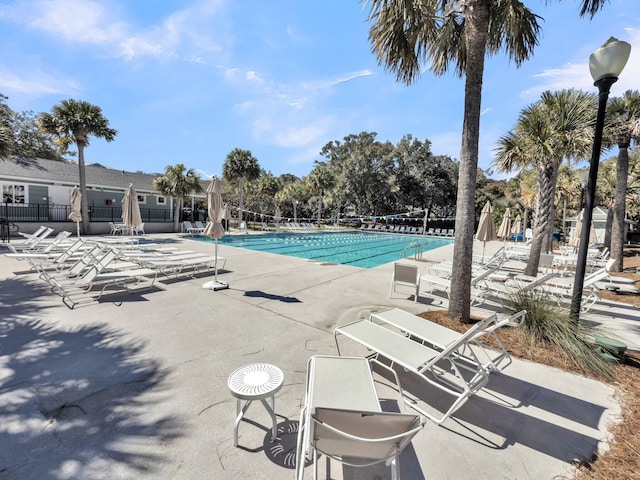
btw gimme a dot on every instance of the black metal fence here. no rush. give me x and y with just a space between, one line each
42 212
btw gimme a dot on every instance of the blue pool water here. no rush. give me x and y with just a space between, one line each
359 249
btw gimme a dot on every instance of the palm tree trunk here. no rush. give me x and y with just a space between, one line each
476 33
241 201
84 203
608 227
295 212
547 178
619 207
176 214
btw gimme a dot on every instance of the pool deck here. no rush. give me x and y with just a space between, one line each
138 391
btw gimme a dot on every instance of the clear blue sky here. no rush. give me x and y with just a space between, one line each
188 81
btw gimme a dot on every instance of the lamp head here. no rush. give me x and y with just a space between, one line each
609 59
583 176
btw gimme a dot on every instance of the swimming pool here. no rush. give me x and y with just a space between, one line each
359 249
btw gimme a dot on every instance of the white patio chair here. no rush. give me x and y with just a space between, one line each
405 274
139 230
343 420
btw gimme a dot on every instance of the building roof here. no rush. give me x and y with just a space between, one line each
38 170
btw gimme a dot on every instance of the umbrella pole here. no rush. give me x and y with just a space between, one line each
215 267
215 284
78 228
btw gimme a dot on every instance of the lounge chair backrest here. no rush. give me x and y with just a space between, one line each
609 264
86 260
36 240
98 266
595 277
374 436
482 275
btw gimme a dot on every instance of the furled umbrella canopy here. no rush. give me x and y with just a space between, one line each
486 228
214 228
277 218
131 209
505 227
517 226
76 202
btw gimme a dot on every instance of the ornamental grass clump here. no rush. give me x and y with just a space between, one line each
549 324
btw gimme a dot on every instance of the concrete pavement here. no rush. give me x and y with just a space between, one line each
138 391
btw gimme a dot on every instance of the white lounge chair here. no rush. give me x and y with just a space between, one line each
37 233
563 293
439 337
40 248
40 260
443 284
33 240
405 274
518 285
174 265
79 290
343 420
444 369
190 229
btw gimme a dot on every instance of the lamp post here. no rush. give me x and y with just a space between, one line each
583 176
605 65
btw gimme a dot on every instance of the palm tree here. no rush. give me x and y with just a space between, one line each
624 130
74 121
567 188
177 182
239 167
292 192
5 142
319 180
461 33
557 127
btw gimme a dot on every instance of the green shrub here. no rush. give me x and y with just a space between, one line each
548 323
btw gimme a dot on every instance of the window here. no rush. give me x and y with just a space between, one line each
162 201
142 199
13 194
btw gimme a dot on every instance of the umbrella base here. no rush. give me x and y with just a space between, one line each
215 286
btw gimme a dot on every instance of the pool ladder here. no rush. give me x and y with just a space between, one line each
417 250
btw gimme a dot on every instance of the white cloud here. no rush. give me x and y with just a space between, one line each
252 76
576 75
183 34
34 83
299 136
79 21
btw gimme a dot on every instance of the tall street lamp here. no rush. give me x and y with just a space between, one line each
605 65
583 176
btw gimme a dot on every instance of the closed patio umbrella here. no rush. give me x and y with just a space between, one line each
214 227
575 240
486 228
505 227
76 201
517 226
131 210
277 217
